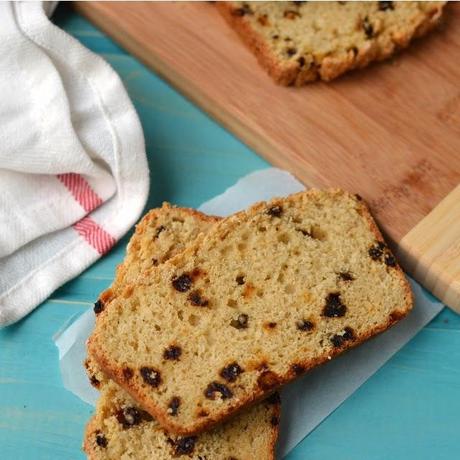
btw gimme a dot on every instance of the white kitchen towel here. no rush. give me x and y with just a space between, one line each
73 171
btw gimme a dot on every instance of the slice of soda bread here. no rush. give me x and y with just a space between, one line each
121 429
298 42
252 304
160 234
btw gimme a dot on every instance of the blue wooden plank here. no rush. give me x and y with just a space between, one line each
39 418
407 410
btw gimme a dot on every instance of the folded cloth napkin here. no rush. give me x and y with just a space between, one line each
73 171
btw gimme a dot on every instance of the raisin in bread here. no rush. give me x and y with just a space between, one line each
121 429
298 42
161 234
261 298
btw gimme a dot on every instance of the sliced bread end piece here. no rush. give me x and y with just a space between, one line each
299 42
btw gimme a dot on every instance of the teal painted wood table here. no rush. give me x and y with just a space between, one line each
410 409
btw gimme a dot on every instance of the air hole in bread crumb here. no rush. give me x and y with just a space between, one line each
224 250
317 233
284 238
232 303
157 328
209 338
297 220
304 232
260 293
289 289
241 246
261 228
127 293
345 276
194 320
180 314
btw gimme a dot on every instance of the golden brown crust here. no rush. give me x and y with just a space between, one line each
275 431
292 73
90 430
275 381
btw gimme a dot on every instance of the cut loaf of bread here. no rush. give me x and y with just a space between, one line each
298 42
258 300
122 430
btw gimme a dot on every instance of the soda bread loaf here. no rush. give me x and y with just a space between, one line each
252 304
299 42
121 429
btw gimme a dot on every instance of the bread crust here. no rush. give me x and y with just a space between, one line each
330 67
259 393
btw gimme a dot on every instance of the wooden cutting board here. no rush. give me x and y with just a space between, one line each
390 133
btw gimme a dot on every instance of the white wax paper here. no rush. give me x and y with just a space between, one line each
309 400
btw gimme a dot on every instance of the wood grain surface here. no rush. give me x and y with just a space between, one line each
431 250
390 133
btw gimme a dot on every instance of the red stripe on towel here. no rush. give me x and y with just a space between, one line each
81 191
94 234
89 200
